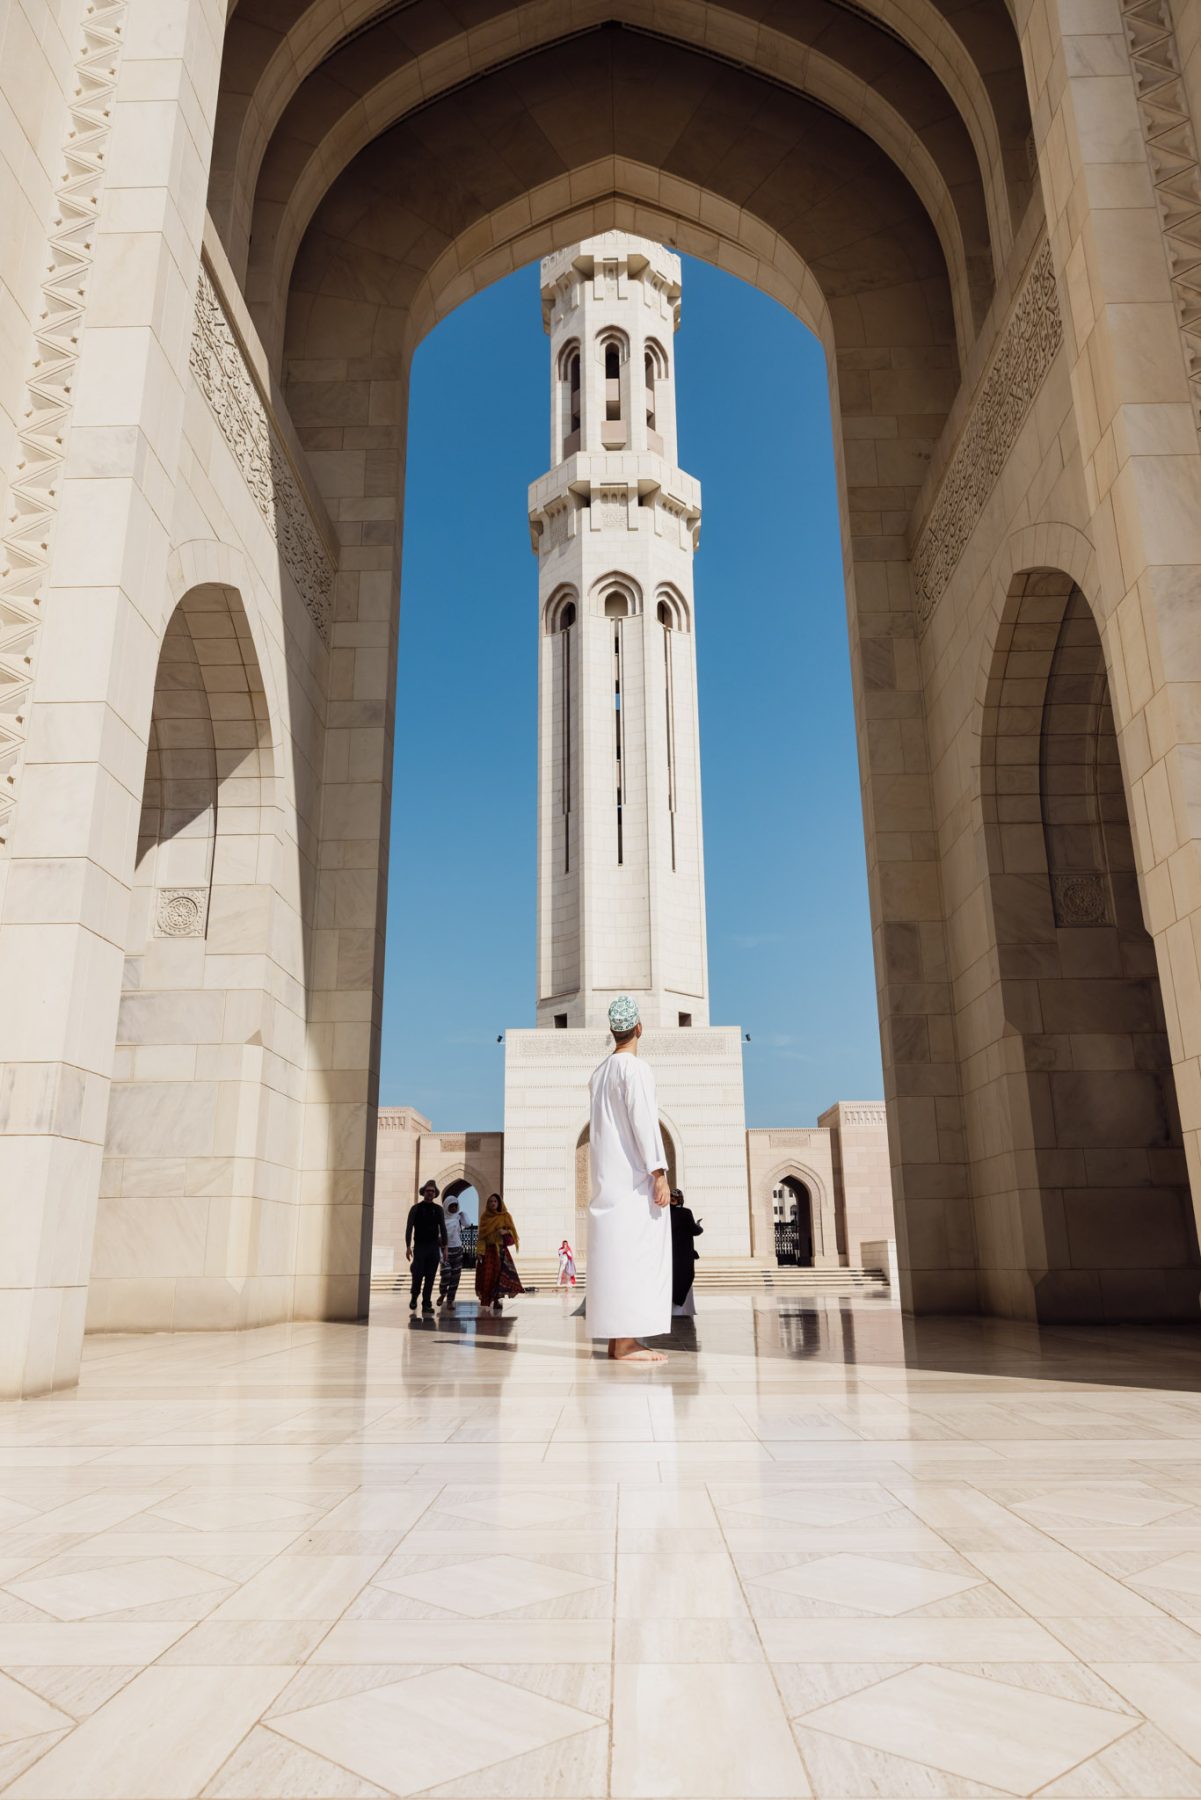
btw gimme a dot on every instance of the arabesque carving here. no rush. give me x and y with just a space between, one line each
1171 142
1026 351
42 430
230 389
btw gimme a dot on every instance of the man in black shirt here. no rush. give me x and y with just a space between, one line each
425 1240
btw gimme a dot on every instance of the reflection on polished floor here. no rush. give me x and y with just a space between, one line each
823 1551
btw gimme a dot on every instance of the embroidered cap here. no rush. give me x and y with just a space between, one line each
623 1014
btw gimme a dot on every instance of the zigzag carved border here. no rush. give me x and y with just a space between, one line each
42 432
1171 142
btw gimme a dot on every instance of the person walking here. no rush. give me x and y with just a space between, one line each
629 1239
452 1255
425 1239
684 1227
496 1277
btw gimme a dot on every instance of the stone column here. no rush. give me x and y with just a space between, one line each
1118 159
350 414
127 223
893 402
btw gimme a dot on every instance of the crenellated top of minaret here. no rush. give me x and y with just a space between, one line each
617 252
611 307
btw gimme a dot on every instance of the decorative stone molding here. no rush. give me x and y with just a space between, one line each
863 1115
1171 143
181 912
1081 897
1026 351
562 1046
46 416
238 406
401 1118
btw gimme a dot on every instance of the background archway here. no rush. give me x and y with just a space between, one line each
195 1221
795 1227
1088 1215
470 1200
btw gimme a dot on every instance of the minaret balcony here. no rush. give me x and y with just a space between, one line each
586 470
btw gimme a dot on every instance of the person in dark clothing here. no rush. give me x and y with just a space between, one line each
425 1240
683 1255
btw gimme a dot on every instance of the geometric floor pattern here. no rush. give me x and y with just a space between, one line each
823 1551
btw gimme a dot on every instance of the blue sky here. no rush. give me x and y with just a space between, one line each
789 935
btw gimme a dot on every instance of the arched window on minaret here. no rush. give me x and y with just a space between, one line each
614 355
672 613
617 605
561 614
569 397
654 365
612 381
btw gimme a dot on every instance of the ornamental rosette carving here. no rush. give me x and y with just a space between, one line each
226 383
181 912
1080 898
1025 353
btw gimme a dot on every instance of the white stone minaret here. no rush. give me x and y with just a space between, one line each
621 875
621 895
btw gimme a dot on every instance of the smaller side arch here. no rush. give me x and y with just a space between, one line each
671 608
656 357
561 610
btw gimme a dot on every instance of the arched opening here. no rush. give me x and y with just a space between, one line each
469 1204
1092 1218
569 398
617 605
912 271
190 1225
792 1214
612 381
468 1197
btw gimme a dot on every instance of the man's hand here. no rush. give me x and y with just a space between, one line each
408 1254
662 1193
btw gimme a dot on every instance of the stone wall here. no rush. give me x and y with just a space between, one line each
399 1134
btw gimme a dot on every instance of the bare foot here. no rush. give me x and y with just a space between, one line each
630 1350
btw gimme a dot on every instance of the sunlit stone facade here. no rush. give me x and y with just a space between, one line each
225 231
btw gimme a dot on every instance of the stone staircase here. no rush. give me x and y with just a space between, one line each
712 1277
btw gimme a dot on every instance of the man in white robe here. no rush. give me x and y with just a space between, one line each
629 1232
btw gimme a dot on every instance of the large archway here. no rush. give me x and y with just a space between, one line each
890 252
871 168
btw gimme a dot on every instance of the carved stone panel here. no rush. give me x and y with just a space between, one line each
1019 367
228 386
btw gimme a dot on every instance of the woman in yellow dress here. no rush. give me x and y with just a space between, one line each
496 1277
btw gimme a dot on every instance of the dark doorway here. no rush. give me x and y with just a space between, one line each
793 1206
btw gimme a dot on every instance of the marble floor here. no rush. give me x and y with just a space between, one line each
823 1551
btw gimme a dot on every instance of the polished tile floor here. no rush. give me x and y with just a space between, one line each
823 1551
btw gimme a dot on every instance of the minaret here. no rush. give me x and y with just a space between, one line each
615 523
621 873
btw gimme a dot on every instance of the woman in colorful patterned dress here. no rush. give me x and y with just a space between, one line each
496 1277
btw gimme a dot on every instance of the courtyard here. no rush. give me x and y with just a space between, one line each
826 1550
